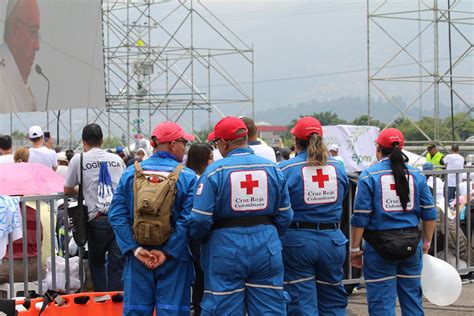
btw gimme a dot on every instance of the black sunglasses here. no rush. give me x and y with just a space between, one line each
184 141
215 141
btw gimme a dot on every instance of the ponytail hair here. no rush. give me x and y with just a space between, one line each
400 172
22 154
317 150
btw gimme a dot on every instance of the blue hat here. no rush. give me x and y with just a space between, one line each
428 166
118 149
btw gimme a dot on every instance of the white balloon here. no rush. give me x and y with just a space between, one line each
440 282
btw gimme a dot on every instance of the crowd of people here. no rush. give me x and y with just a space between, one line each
249 230
267 237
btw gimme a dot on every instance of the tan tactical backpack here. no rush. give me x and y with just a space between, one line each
154 196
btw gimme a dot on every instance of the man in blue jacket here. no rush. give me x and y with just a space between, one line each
240 208
159 276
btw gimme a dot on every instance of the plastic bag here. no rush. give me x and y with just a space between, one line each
105 191
60 271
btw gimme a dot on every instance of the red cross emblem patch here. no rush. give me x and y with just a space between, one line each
249 190
249 184
320 184
390 198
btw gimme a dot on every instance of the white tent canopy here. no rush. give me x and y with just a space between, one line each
414 159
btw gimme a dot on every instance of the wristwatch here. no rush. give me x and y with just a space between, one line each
136 251
357 249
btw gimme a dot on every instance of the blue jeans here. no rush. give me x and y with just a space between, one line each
101 243
451 193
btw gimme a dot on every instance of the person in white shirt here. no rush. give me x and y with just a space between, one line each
38 152
17 55
463 186
106 273
62 163
453 161
463 189
259 148
216 154
334 151
6 149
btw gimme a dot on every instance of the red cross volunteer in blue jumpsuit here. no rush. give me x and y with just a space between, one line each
241 206
314 248
391 199
165 287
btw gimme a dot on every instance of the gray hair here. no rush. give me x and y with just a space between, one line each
238 142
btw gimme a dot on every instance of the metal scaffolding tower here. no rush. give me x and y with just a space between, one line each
434 40
164 60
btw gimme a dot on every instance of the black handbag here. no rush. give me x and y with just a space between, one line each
78 216
394 244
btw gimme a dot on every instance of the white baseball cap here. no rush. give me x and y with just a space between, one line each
61 156
35 132
333 147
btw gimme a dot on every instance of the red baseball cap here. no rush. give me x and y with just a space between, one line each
389 136
211 137
167 132
306 126
228 128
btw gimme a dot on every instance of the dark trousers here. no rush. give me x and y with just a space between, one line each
107 271
198 286
451 193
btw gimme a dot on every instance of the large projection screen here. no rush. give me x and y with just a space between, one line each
55 40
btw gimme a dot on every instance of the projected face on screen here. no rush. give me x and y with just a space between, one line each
17 56
22 34
45 72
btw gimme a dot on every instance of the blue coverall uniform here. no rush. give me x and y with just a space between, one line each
314 257
242 266
168 286
377 207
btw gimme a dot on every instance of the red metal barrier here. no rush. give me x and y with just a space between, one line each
93 304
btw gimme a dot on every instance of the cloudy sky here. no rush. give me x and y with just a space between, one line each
318 50
311 49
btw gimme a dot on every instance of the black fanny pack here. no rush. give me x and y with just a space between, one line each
394 244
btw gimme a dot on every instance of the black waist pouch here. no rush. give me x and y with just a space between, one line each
394 244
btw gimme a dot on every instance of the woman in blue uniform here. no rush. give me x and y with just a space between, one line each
390 201
314 248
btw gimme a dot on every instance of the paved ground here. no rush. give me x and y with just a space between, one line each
463 306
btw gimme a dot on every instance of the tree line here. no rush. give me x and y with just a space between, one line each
464 125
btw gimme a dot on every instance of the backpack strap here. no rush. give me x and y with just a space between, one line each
138 168
175 174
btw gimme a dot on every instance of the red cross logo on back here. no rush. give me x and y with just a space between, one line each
393 188
320 178
249 184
